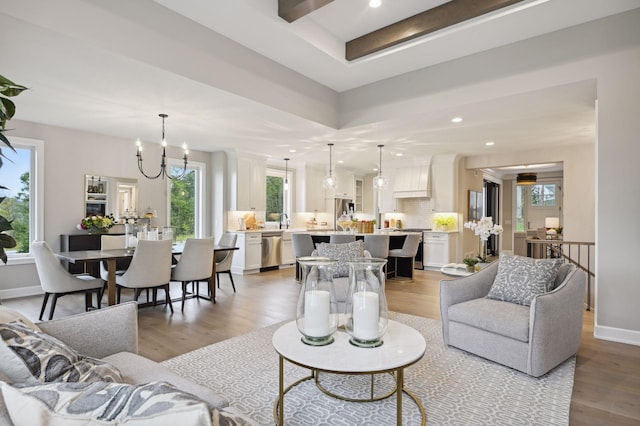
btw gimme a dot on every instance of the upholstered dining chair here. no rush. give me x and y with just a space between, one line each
341 238
56 281
110 242
150 268
302 247
224 259
195 264
408 251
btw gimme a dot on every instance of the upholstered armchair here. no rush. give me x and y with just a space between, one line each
532 339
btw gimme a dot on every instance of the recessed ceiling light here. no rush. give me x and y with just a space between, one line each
399 154
292 150
375 3
340 161
456 120
375 169
490 143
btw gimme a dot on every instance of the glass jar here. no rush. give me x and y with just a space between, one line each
366 311
317 313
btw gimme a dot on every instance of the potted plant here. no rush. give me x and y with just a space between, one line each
7 110
471 263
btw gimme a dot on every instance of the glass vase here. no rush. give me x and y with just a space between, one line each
317 312
366 311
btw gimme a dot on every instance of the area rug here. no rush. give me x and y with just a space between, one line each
455 387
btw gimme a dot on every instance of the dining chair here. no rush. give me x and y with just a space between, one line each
224 259
114 242
195 264
150 268
408 251
341 238
56 281
302 247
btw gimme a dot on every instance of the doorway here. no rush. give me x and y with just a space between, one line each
492 209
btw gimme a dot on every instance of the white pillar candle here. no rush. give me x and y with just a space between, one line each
366 313
316 313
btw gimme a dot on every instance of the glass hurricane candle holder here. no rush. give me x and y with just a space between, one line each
366 311
317 312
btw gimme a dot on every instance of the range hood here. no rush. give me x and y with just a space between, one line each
412 182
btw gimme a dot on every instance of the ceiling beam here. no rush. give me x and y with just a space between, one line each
435 19
290 10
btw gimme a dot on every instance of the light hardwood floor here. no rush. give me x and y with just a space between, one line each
607 378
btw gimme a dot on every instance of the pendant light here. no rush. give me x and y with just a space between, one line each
329 181
163 159
286 174
526 179
379 181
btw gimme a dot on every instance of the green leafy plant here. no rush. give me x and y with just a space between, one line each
8 89
470 261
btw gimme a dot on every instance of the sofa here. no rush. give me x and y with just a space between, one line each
532 339
111 335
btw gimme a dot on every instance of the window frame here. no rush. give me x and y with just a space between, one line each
543 205
200 181
36 195
287 194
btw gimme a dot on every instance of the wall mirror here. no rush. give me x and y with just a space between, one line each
110 195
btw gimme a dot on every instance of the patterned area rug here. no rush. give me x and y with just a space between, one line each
456 388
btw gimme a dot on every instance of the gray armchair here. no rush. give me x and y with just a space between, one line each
532 339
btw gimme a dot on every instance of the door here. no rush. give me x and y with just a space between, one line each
536 202
492 209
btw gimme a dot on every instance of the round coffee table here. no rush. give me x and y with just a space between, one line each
402 347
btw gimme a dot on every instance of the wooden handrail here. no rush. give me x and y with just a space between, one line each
561 249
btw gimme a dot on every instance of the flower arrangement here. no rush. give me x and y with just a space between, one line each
96 223
484 228
445 222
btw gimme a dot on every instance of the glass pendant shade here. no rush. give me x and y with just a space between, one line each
317 311
366 311
379 182
329 182
286 174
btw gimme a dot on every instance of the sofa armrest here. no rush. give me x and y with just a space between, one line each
98 333
556 319
464 289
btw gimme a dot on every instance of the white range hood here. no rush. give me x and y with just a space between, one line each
412 182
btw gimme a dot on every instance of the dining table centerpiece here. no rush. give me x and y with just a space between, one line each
484 228
97 224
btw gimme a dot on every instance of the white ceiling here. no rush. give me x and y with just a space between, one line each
89 66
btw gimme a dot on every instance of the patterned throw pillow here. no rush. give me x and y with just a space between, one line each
342 253
69 404
29 356
519 279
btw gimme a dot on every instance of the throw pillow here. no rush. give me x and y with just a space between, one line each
519 279
68 404
342 253
9 315
29 356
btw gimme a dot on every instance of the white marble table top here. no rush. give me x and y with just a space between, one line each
402 346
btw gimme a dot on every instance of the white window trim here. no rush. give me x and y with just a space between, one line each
200 191
278 172
36 197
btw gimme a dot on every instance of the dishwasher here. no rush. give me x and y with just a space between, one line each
271 249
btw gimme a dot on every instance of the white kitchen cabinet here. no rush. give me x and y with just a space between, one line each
411 182
252 184
439 248
346 187
313 196
443 189
286 254
386 201
248 258
359 199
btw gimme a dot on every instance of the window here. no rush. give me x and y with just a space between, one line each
22 175
186 201
543 195
278 200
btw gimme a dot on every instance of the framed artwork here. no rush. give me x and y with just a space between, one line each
479 205
473 206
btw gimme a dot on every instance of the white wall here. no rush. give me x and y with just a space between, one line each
69 156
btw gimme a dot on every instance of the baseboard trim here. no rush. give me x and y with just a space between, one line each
14 293
619 335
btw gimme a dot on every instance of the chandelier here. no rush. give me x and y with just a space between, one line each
163 160
379 181
330 181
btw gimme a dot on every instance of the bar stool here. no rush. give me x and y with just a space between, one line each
302 246
341 238
409 250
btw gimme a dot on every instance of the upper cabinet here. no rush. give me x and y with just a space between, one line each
411 182
346 187
386 201
444 170
252 184
312 199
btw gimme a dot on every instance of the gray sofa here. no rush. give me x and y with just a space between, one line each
111 334
531 339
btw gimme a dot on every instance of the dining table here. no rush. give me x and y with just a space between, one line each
111 256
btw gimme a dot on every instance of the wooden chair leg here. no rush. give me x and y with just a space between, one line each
232 284
53 305
87 300
218 279
44 305
118 293
99 298
184 293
